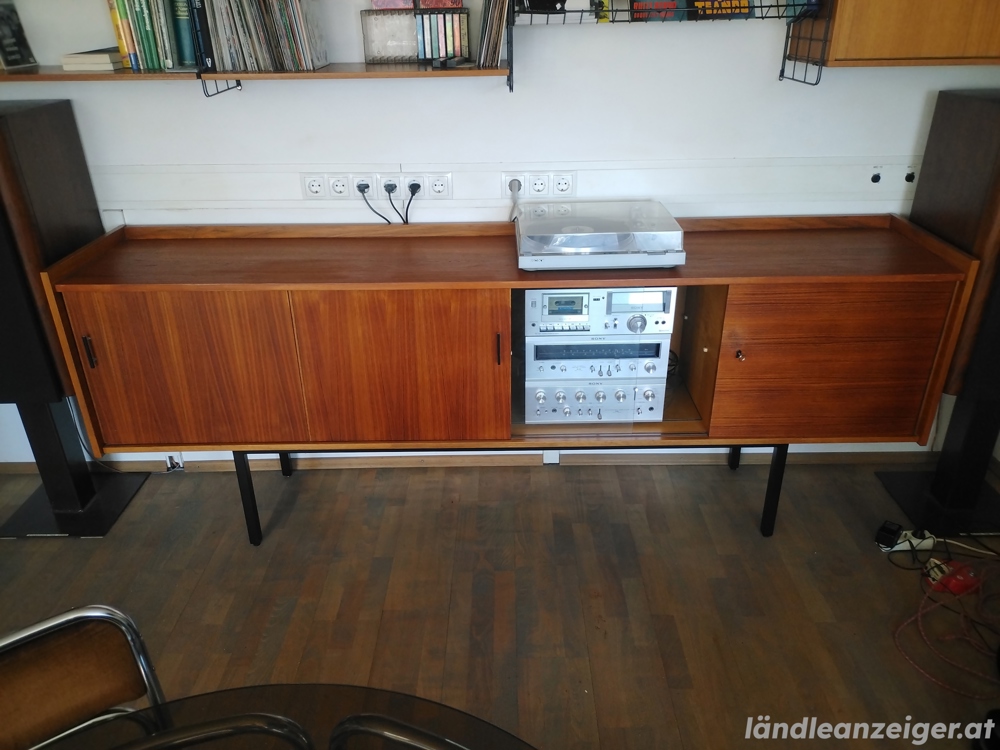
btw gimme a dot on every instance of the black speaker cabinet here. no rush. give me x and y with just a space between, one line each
958 199
48 210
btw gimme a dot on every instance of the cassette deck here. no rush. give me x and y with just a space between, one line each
597 355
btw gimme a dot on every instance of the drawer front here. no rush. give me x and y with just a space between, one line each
827 361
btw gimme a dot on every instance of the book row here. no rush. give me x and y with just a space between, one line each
152 34
640 10
257 35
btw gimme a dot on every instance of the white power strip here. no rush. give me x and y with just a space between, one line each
907 541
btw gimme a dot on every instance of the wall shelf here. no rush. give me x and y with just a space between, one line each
331 71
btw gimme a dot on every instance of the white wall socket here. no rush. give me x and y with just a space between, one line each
538 184
505 179
564 183
356 179
388 179
420 180
339 185
439 185
314 186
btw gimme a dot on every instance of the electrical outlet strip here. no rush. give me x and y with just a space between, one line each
907 541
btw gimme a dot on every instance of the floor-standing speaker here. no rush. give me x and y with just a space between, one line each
47 210
958 199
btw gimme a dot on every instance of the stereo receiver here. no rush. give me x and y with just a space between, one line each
597 355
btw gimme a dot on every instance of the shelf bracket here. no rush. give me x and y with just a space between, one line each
230 86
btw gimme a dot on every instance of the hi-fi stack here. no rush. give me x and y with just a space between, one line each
597 355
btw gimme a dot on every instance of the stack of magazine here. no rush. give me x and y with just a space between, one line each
258 35
491 36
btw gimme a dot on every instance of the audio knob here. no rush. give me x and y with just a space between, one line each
560 397
650 367
562 368
631 366
620 395
567 411
600 397
540 397
648 395
581 396
637 323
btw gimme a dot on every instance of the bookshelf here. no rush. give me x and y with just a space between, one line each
332 71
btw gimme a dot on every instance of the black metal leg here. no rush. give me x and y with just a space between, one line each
247 497
734 457
773 492
286 464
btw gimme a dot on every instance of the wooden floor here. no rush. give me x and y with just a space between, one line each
580 607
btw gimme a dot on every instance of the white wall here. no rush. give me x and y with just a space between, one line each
691 113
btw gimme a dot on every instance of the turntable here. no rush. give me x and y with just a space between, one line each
597 234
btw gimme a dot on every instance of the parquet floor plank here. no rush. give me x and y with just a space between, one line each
579 607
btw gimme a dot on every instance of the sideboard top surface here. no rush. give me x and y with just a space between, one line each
719 251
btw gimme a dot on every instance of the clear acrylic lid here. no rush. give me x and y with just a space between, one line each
597 228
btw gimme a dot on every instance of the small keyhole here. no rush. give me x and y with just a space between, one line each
739 355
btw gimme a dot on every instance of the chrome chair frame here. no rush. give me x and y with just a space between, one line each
154 693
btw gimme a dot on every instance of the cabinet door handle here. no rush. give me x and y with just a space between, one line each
88 348
740 355
498 349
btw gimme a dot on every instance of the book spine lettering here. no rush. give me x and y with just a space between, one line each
181 17
129 31
119 34
149 36
205 57
464 19
161 31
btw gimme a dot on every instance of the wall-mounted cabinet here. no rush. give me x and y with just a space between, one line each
904 32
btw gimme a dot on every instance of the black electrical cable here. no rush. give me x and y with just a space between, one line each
389 190
363 188
414 188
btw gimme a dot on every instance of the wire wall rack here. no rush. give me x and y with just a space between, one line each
806 35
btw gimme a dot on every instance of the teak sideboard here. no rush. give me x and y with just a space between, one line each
296 338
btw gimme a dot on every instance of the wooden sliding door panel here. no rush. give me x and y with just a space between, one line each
402 365
831 361
182 368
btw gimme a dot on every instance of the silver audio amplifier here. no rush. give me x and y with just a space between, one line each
581 358
597 355
593 401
